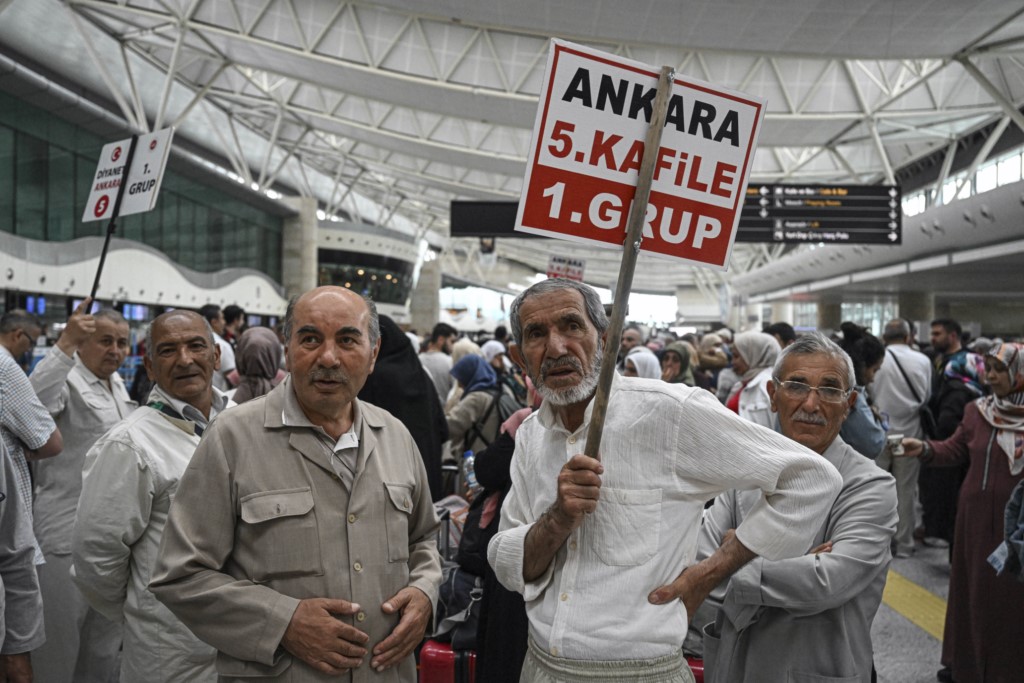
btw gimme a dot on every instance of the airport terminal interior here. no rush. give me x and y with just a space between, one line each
384 146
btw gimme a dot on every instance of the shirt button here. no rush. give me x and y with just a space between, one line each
358 566
573 546
406 504
554 651
352 519
361 616
278 508
564 597
572 439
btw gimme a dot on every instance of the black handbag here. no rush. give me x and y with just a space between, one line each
929 425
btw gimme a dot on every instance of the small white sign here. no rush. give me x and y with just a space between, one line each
569 268
143 179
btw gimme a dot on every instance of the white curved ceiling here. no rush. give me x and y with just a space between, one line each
388 110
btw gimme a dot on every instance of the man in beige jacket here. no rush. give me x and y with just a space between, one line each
301 543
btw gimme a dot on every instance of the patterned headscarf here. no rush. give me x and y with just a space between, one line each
969 368
1006 414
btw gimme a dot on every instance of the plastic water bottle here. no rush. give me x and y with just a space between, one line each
469 476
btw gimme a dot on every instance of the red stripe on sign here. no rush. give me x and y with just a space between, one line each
597 210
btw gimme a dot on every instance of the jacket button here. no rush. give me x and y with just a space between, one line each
358 566
352 519
361 616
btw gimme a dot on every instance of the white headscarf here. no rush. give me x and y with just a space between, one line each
491 349
645 362
759 350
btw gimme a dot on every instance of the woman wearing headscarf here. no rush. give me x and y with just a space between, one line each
460 349
641 362
981 641
862 429
401 386
753 355
675 364
473 422
258 362
495 353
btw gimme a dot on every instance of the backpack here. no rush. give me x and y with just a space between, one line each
505 403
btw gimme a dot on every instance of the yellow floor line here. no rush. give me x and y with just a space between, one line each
923 608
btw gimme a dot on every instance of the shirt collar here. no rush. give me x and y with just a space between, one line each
87 373
293 416
190 412
549 419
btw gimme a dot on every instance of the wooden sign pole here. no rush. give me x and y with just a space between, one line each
630 250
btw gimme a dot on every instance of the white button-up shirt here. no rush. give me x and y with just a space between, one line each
84 408
666 449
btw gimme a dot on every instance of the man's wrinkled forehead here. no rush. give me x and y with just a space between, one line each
826 370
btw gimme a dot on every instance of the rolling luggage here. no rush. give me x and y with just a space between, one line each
440 664
696 665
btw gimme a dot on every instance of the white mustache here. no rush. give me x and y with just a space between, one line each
550 364
810 418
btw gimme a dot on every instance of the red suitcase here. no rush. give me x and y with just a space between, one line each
697 667
440 664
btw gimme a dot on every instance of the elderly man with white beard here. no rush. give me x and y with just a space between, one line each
603 551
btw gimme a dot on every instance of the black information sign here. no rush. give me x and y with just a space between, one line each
838 214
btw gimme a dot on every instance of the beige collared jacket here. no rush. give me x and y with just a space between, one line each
262 521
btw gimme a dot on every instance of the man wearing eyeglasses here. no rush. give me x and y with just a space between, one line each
810 614
28 433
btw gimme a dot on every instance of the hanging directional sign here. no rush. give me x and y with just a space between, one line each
840 214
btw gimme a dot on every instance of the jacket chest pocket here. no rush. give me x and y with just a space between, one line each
627 526
280 530
397 510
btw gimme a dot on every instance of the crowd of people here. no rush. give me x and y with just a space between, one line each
262 503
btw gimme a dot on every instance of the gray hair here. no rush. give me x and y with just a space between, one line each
111 315
18 318
149 330
374 325
896 330
595 309
815 343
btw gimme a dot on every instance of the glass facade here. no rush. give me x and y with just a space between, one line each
46 170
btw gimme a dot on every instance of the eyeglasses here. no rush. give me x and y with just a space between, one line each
802 391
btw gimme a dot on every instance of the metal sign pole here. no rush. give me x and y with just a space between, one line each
113 216
630 250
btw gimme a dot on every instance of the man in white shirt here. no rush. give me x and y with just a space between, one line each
902 385
437 359
602 550
78 383
129 480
